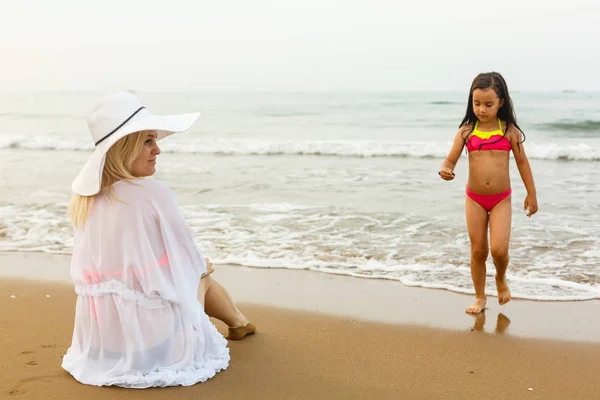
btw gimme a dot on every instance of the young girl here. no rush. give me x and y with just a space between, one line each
490 131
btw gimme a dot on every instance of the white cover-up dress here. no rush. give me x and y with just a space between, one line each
136 269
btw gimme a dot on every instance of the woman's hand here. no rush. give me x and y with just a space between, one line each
209 267
446 174
531 204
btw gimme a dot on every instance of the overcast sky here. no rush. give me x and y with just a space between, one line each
302 45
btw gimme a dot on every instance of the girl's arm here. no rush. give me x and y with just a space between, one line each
447 169
524 169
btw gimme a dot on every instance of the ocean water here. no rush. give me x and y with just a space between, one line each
342 183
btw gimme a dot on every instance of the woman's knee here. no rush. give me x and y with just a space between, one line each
208 281
205 284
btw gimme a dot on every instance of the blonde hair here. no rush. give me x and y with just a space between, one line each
117 166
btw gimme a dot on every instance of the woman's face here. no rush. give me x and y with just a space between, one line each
145 164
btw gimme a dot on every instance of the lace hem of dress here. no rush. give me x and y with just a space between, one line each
118 288
161 377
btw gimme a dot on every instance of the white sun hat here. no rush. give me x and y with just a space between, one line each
114 117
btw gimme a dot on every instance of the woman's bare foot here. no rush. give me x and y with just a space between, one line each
241 331
477 307
503 291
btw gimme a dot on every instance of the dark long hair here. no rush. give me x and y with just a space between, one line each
491 80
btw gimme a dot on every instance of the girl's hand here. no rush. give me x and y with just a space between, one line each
531 204
446 174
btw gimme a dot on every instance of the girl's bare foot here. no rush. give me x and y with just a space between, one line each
503 291
477 307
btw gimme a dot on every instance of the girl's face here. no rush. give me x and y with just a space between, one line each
486 104
145 164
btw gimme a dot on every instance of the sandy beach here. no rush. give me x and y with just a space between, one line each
324 337
334 166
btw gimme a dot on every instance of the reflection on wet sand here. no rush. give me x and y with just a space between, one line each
502 322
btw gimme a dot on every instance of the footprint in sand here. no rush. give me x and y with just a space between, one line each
49 346
32 363
18 389
27 352
16 392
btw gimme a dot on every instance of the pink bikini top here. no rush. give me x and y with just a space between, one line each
488 140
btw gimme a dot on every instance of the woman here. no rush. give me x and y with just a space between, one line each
137 271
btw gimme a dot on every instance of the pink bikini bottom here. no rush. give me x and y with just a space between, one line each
488 201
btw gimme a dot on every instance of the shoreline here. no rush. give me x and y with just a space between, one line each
372 300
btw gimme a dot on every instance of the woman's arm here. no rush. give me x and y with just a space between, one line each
524 170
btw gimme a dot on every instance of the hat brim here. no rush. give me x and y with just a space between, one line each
89 180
